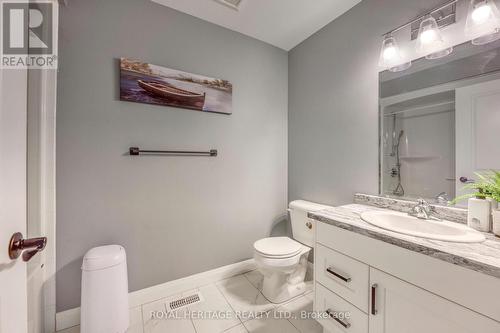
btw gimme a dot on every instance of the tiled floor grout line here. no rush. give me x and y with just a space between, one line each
197 288
142 318
298 330
290 301
230 328
227 301
246 277
260 292
192 323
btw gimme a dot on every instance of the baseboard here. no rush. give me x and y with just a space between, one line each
71 317
169 288
67 319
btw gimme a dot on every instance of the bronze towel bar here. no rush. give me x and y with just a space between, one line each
135 151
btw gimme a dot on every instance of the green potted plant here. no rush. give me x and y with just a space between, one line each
494 191
487 188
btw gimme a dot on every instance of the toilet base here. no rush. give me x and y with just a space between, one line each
279 287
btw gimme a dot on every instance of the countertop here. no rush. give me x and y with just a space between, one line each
481 257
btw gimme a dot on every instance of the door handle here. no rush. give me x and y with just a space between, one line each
332 315
27 247
465 180
374 302
344 278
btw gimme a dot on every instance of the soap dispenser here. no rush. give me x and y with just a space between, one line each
479 214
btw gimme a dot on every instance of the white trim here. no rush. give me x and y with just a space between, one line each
166 289
448 86
67 319
70 318
48 192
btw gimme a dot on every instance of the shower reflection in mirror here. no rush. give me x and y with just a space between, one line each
419 147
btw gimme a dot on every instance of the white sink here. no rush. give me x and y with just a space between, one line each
409 225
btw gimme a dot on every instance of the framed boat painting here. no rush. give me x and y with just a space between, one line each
146 83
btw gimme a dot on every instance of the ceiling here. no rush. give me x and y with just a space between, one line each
282 23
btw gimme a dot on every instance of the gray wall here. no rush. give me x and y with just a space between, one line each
175 216
333 102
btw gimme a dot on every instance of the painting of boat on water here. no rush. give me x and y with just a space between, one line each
146 83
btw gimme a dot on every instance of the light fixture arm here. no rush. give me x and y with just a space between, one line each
441 8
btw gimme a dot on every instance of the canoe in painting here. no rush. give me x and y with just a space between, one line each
179 96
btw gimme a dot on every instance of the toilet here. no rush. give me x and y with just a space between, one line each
282 260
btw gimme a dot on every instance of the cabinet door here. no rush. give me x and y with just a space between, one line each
397 306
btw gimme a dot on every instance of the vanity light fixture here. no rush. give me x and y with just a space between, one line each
481 27
430 42
390 56
483 22
426 29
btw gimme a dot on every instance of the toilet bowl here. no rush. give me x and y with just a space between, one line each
283 261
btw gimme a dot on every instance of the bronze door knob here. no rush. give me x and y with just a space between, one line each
27 247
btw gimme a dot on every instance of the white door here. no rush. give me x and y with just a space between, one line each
477 131
403 307
13 124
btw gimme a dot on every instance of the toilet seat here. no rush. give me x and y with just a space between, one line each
278 247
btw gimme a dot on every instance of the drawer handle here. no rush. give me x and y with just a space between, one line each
332 315
374 302
338 275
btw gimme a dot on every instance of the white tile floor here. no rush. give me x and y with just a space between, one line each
231 297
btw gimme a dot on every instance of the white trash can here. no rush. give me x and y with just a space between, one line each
104 291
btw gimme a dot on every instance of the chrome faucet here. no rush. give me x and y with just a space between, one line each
422 210
442 198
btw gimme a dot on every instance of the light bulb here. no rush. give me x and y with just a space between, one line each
481 14
483 22
430 41
390 56
428 36
389 53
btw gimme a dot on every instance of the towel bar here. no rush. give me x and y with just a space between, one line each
135 151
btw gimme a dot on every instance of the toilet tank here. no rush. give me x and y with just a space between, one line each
302 226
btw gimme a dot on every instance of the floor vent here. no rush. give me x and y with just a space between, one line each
185 302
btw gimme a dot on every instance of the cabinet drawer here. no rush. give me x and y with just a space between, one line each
343 275
349 318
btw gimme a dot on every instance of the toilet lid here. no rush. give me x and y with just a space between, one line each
277 247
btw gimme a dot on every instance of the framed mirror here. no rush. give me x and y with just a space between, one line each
440 123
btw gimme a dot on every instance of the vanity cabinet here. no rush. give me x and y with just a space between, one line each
386 289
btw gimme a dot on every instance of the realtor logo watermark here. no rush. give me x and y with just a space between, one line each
27 38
